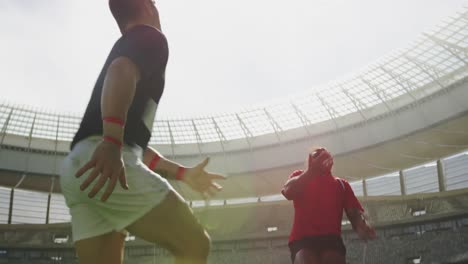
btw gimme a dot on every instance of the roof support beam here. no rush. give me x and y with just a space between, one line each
434 73
10 209
364 188
441 176
49 198
171 136
245 129
331 111
56 145
304 120
28 151
274 124
406 84
197 135
222 141
457 51
219 132
356 102
381 94
5 126
402 183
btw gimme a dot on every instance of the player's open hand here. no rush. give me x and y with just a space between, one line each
202 181
107 166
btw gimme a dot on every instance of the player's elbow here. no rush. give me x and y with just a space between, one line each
124 68
286 192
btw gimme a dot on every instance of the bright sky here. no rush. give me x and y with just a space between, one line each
224 55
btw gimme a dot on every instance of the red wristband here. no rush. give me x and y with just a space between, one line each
114 120
180 173
154 161
112 140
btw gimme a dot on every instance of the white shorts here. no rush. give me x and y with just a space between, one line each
91 217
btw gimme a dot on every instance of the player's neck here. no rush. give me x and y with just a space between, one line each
133 24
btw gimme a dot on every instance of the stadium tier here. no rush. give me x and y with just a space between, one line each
430 227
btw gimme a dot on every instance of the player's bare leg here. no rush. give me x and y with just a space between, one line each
107 248
172 225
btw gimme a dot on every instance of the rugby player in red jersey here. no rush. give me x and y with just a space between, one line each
319 199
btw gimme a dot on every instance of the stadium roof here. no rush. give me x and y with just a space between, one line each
438 57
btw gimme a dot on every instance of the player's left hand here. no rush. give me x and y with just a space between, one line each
366 232
202 181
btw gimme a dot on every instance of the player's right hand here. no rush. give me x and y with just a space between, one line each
107 165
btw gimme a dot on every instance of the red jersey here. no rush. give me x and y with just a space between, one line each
319 209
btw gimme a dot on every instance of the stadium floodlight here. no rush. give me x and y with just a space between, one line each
272 229
418 212
130 238
61 239
414 260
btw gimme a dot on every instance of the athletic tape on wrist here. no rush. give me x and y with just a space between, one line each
114 120
180 173
112 140
154 161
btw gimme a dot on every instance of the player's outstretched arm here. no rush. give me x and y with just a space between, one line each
296 183
106 164
196 177
294 186
364 230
